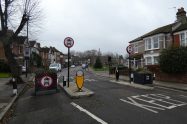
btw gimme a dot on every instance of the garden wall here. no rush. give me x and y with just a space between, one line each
161 76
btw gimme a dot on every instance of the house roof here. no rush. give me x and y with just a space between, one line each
32 43
137 39
54 49
20 39
163 29
44 49
181 27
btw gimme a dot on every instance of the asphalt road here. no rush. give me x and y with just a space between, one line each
112 103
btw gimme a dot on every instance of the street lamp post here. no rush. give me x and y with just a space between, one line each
27 48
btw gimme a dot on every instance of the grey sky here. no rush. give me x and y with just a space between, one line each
105 24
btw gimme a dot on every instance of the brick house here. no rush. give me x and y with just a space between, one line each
35 47
148 46
2 52
51 55
44 53
17 49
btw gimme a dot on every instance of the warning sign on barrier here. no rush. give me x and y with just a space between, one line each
46 81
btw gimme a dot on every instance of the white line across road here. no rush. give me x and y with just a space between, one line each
154 102
88 113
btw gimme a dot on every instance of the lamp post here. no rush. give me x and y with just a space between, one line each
27 48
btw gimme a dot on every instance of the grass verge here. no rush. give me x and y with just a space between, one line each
4 75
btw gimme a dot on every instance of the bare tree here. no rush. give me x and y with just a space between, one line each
14 16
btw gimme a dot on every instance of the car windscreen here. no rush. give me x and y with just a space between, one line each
53 65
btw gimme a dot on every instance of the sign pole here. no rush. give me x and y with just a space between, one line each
129 50
26 68
129 68
68 42
68 64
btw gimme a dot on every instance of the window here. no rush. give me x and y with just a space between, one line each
182 39
20 49
155 42
148 60
162 41
148 43
136 48
155 60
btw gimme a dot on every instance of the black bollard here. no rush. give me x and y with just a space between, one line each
132 77
64 81
14 84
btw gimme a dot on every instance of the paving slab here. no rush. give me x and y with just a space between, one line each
6 92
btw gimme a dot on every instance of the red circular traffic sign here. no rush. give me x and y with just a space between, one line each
129 49
68 42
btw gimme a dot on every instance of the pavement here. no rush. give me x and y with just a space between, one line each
6 94
125 80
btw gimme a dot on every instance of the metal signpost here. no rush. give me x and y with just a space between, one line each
129 50
27 56
68 42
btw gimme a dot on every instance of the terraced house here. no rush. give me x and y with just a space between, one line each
148 46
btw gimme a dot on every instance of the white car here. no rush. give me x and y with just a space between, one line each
73 66
55 66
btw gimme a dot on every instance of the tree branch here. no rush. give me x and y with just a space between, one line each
21 25
2 16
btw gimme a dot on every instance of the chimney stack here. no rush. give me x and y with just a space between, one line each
181 15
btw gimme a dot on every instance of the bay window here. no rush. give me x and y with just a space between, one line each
148 44
148 60
152 43
136 48
155 42
182 39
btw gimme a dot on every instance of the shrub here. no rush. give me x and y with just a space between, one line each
4 67
98 63
174 60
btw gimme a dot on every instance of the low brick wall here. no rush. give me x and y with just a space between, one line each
161 76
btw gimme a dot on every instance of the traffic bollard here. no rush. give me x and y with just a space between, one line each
14 84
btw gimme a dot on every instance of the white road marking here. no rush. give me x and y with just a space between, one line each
183 96
90 80
155 101
170 89
88 113
147 107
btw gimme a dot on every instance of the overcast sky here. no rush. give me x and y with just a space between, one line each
105 24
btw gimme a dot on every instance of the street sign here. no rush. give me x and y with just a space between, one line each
45 81
68 42
129 49
27 53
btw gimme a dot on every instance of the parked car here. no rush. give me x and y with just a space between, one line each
83 66
72 66
55 66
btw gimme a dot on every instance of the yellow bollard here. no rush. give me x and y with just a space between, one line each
79 79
